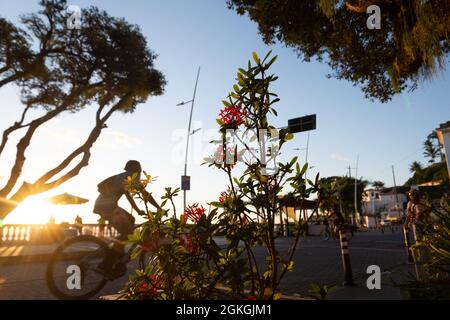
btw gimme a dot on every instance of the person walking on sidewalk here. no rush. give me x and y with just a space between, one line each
417 214
79 224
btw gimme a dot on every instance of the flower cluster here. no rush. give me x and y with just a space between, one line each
148 179
194 213
223 196
144 287
232 115
134 184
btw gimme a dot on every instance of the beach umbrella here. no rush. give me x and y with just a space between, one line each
67 199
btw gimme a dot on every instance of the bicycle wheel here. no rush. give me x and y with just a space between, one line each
325 235
71 271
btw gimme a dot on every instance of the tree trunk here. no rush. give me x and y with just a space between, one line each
44 184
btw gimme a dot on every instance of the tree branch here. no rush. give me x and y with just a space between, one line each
22 147
16 126
84 149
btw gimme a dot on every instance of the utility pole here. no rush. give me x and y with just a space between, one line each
185 184
356 191
307 148
405 231
395 190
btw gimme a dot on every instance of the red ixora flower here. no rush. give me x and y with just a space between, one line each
223 196
194 213
149 285
232 115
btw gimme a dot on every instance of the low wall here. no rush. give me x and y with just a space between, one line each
46 234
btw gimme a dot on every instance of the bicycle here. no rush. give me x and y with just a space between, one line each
333 232
83 257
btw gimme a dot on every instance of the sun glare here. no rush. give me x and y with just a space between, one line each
37 210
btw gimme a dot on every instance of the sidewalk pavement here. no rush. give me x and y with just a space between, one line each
316 262
14 254
23 253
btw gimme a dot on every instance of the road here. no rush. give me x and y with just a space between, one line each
315 261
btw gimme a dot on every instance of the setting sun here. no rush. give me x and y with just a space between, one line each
37 210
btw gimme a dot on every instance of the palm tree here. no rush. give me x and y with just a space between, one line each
415 167
434 138
430 150
378 184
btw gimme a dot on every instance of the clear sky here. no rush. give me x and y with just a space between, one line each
189 34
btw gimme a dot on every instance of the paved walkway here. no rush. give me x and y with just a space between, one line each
25 250
315 261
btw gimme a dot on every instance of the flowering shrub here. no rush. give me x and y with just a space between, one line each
185 259
248 211
194 213
143 287
232 116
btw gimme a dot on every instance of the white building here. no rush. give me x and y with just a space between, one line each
384 203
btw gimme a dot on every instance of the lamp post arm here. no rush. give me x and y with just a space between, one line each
189 134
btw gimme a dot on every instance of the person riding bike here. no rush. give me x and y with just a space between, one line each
338 218
106 205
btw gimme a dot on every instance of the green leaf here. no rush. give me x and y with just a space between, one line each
226 103
294 160
136 253
255 57
271 61
289 136
305 167
268 55
242 71
290 267
315 287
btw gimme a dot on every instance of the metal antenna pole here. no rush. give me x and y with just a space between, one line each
188 136
356 191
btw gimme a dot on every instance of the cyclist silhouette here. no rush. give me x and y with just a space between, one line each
111 190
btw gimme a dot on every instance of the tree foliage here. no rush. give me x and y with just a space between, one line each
105 65
436 171
411 45
378 184
340 192
432 148
433 254
416 166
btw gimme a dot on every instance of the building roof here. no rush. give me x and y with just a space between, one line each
445 125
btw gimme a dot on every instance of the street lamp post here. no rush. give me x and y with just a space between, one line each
185 184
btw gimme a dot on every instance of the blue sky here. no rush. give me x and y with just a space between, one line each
188 34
